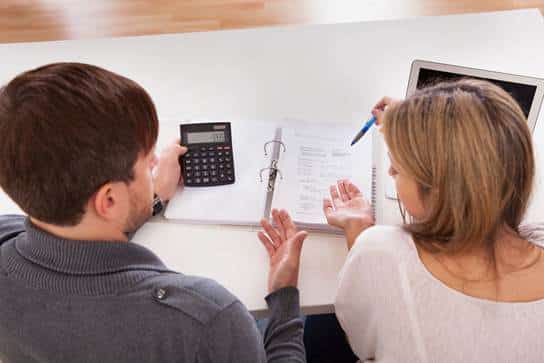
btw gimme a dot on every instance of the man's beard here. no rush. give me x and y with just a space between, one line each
140 212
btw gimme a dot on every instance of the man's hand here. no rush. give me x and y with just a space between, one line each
167 175
347 209
284 245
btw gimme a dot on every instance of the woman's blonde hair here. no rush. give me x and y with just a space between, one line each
468 146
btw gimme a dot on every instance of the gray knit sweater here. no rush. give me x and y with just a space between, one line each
103 301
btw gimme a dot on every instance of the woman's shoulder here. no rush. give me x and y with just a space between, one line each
374 271
389 240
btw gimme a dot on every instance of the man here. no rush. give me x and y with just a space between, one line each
77 155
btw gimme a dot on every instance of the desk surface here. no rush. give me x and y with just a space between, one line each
318 73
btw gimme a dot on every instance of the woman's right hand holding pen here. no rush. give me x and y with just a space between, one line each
379 108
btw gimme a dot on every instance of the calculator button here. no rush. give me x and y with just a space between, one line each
222 176
220 153
213 173
188 161
196 161
197 181
214 180
229 172
212 160
210 148
211 153
220 160
226 147
188 168
230 178
196 154
197 174
204 167
206 180
189 181
187 155
204 161
197 167
213 167
203 148
203 154
221 166
205 173
188 174
220 148
228 158
229 165
227 153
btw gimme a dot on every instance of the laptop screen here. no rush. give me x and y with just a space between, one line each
522 93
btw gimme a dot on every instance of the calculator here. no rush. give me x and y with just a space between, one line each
209 159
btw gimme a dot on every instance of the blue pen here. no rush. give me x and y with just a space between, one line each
363 131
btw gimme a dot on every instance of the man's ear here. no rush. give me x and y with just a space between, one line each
110 200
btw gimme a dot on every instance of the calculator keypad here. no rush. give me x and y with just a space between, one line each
208 166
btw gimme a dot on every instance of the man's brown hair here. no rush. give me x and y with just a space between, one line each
468 146
67 129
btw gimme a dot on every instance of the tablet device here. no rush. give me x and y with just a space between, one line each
527 91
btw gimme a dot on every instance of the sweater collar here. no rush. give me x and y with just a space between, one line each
78 257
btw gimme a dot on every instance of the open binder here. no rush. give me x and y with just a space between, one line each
287 166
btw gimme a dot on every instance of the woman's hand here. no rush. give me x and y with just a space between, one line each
284 245
379 108
347 209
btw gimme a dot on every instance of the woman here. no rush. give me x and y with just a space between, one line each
460 280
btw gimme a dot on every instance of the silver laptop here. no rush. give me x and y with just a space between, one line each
527 91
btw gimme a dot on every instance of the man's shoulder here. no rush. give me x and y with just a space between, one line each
10 226
200 298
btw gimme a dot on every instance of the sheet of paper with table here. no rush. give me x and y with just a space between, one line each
289 166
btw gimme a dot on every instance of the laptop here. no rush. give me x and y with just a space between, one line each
527 91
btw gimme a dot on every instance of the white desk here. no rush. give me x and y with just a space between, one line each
314 73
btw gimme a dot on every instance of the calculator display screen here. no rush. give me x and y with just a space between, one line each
205 137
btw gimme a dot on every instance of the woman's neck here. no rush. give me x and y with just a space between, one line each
510 254
508 272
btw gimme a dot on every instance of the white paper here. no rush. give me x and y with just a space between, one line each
316 158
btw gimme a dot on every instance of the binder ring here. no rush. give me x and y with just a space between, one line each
274 141
273 172
271 176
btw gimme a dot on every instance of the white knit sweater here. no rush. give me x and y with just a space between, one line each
393 310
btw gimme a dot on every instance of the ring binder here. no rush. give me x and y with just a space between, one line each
296 180
273 169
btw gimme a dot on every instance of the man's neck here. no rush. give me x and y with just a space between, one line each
83 231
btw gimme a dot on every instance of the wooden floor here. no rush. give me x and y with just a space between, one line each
37 20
